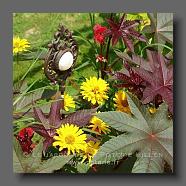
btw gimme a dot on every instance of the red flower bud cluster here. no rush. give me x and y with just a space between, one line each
99 33
25 139
101 59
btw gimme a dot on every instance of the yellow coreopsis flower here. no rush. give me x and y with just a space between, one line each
98 125
68 102
70 137
95 90
20 45
121 102
90 150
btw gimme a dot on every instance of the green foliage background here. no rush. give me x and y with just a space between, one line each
39 28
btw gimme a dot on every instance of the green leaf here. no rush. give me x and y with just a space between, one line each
20 96
83 167
26 163
119 147
149 161
19 87
125 122
162 26
34 159
18 158
29 98
145 133
82 66
54 163
33 163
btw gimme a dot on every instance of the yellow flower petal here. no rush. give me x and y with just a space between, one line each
90 150
20 45
98 125
68 102
70 137
95 90
152 110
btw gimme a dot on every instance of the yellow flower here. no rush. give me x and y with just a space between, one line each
90 150
140 16
20 45
98 125
70 137
152 110
68 102
95 90
121 102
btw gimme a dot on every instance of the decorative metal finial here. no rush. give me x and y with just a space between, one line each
61 57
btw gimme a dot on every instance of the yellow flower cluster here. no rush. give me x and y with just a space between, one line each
70 137
95 90
20 45
73 139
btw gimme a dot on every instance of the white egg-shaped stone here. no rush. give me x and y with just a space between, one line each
66 61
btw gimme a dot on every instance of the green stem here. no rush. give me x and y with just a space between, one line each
107 58
31 66
101 63
91 20
155 44
91 131
108 48
17 58
114 62
108 44
107 53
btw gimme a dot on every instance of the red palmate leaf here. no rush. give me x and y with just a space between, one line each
53 119
156 71
47 134
130 80
124 29
48 123
159 78
54 115
80 118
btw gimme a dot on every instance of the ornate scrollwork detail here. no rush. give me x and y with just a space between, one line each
63 43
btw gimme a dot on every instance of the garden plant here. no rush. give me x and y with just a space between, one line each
93 93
